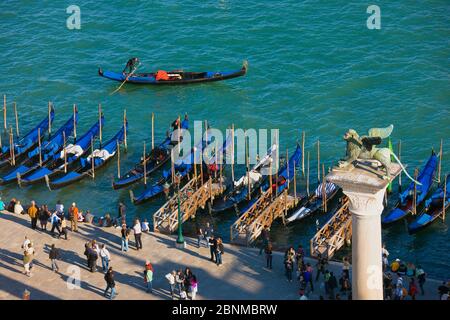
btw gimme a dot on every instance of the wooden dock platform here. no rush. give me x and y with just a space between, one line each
334 234
262 213
165 220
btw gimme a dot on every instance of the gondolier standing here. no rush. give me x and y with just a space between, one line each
131 65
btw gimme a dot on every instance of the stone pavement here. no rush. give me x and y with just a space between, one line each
241 277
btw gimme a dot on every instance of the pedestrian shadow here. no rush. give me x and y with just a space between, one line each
17 219
84 285
11 258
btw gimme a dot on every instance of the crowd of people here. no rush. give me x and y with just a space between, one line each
400 280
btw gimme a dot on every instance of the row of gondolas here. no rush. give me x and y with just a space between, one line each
47 157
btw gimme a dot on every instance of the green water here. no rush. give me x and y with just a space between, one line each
314 66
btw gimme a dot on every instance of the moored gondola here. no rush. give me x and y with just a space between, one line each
88 165
434 208
239 193
173 77
27 142
41 155
155 159
315 201
405 204
66 159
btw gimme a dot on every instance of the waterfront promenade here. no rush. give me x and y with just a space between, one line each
242 276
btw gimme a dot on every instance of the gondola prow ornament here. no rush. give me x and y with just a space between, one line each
364 148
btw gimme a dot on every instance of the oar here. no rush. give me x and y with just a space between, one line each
126 79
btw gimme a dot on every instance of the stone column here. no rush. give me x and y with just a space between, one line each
367 275
365 189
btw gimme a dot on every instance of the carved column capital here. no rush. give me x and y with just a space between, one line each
365 204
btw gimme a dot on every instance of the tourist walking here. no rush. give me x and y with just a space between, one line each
106 257
194 287
125 233
268 252
63 225
421 275
53 255
2 205
180 280
187 279
208 232
321 263
33 213
412 289
28 256
300 254
212 247
332 285
265 236
73 217
308 276
219 251
148 277
44 216
344 282
171 279
200 236
388 286
137 234
288 266
55 220
110 284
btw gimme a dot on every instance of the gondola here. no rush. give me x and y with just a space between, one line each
173 77
155 159
405 204
433 209
284 179
26 143
38 159
182 168
72 152
239 192
315 202
100 158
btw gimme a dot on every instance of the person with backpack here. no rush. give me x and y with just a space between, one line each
148 277
110 284
53 255
219 251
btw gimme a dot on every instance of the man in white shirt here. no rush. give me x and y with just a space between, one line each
171 278
25 243
106 257
59 208
137 234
